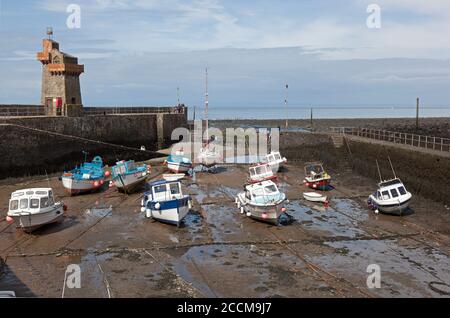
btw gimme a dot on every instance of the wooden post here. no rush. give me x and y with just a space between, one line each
417 112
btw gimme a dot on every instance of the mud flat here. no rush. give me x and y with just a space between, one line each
317 252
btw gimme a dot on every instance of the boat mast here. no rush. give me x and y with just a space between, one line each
286 106
392 167
206 107
379 171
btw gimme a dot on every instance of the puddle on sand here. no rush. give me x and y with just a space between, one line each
405 271
98 212
328 220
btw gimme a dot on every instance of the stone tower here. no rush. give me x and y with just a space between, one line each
61 93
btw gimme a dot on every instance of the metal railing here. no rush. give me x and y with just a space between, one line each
21 111
414 140
94 111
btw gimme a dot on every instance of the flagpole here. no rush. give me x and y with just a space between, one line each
286 105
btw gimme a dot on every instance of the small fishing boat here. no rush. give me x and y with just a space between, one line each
275 161
128 176
260 172
30 209
316 177
165 202
178 163
174 177
391 196
86 178
262 201
315 197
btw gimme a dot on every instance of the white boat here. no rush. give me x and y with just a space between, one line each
174 177
178 163
391 196
165 202
275 161
7 294
30 209
315 197
128 176
262 201
260 172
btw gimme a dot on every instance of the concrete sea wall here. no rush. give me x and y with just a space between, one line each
26 152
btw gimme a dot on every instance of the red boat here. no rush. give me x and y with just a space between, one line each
261 172
316 177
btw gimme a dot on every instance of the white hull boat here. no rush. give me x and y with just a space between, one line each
262 202
315 197
275 161
74 187
166 203
32 208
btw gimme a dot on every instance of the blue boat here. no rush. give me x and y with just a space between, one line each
178 163
164 201
86 178
128 176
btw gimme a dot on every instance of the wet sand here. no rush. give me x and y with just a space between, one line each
218 252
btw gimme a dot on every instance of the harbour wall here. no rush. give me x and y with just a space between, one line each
27 149
423 174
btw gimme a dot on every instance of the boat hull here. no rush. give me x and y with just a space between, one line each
323 185
169 212
178 167
264 213
258 180
315 198
276 165
31 222
75 187
392 209
130 182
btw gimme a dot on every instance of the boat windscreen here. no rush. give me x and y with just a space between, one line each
14 205
271 189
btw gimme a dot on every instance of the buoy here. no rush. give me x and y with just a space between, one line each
377 212
242 210
96 184
249 214
111 184
9 219
157 206
148 213
144 174
190 204
314 186
107 174
283 210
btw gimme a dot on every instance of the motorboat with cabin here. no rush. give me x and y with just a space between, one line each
262 201
260 172
128 176
316 177
30 209
391 196
88 177
165 202
275 161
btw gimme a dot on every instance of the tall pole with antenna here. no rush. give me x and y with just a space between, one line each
206 107
392 167
286 105
178 96
379 171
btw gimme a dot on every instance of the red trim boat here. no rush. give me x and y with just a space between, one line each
316 177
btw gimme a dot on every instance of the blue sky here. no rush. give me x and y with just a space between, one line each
139 52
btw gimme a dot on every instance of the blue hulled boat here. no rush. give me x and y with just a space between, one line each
86 178
165 202
128 176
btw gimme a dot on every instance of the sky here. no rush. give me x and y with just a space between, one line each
138 52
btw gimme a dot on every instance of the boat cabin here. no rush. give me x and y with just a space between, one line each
391 189
274 157
31 200
126 167
263 192
315 171
260 172
163 191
